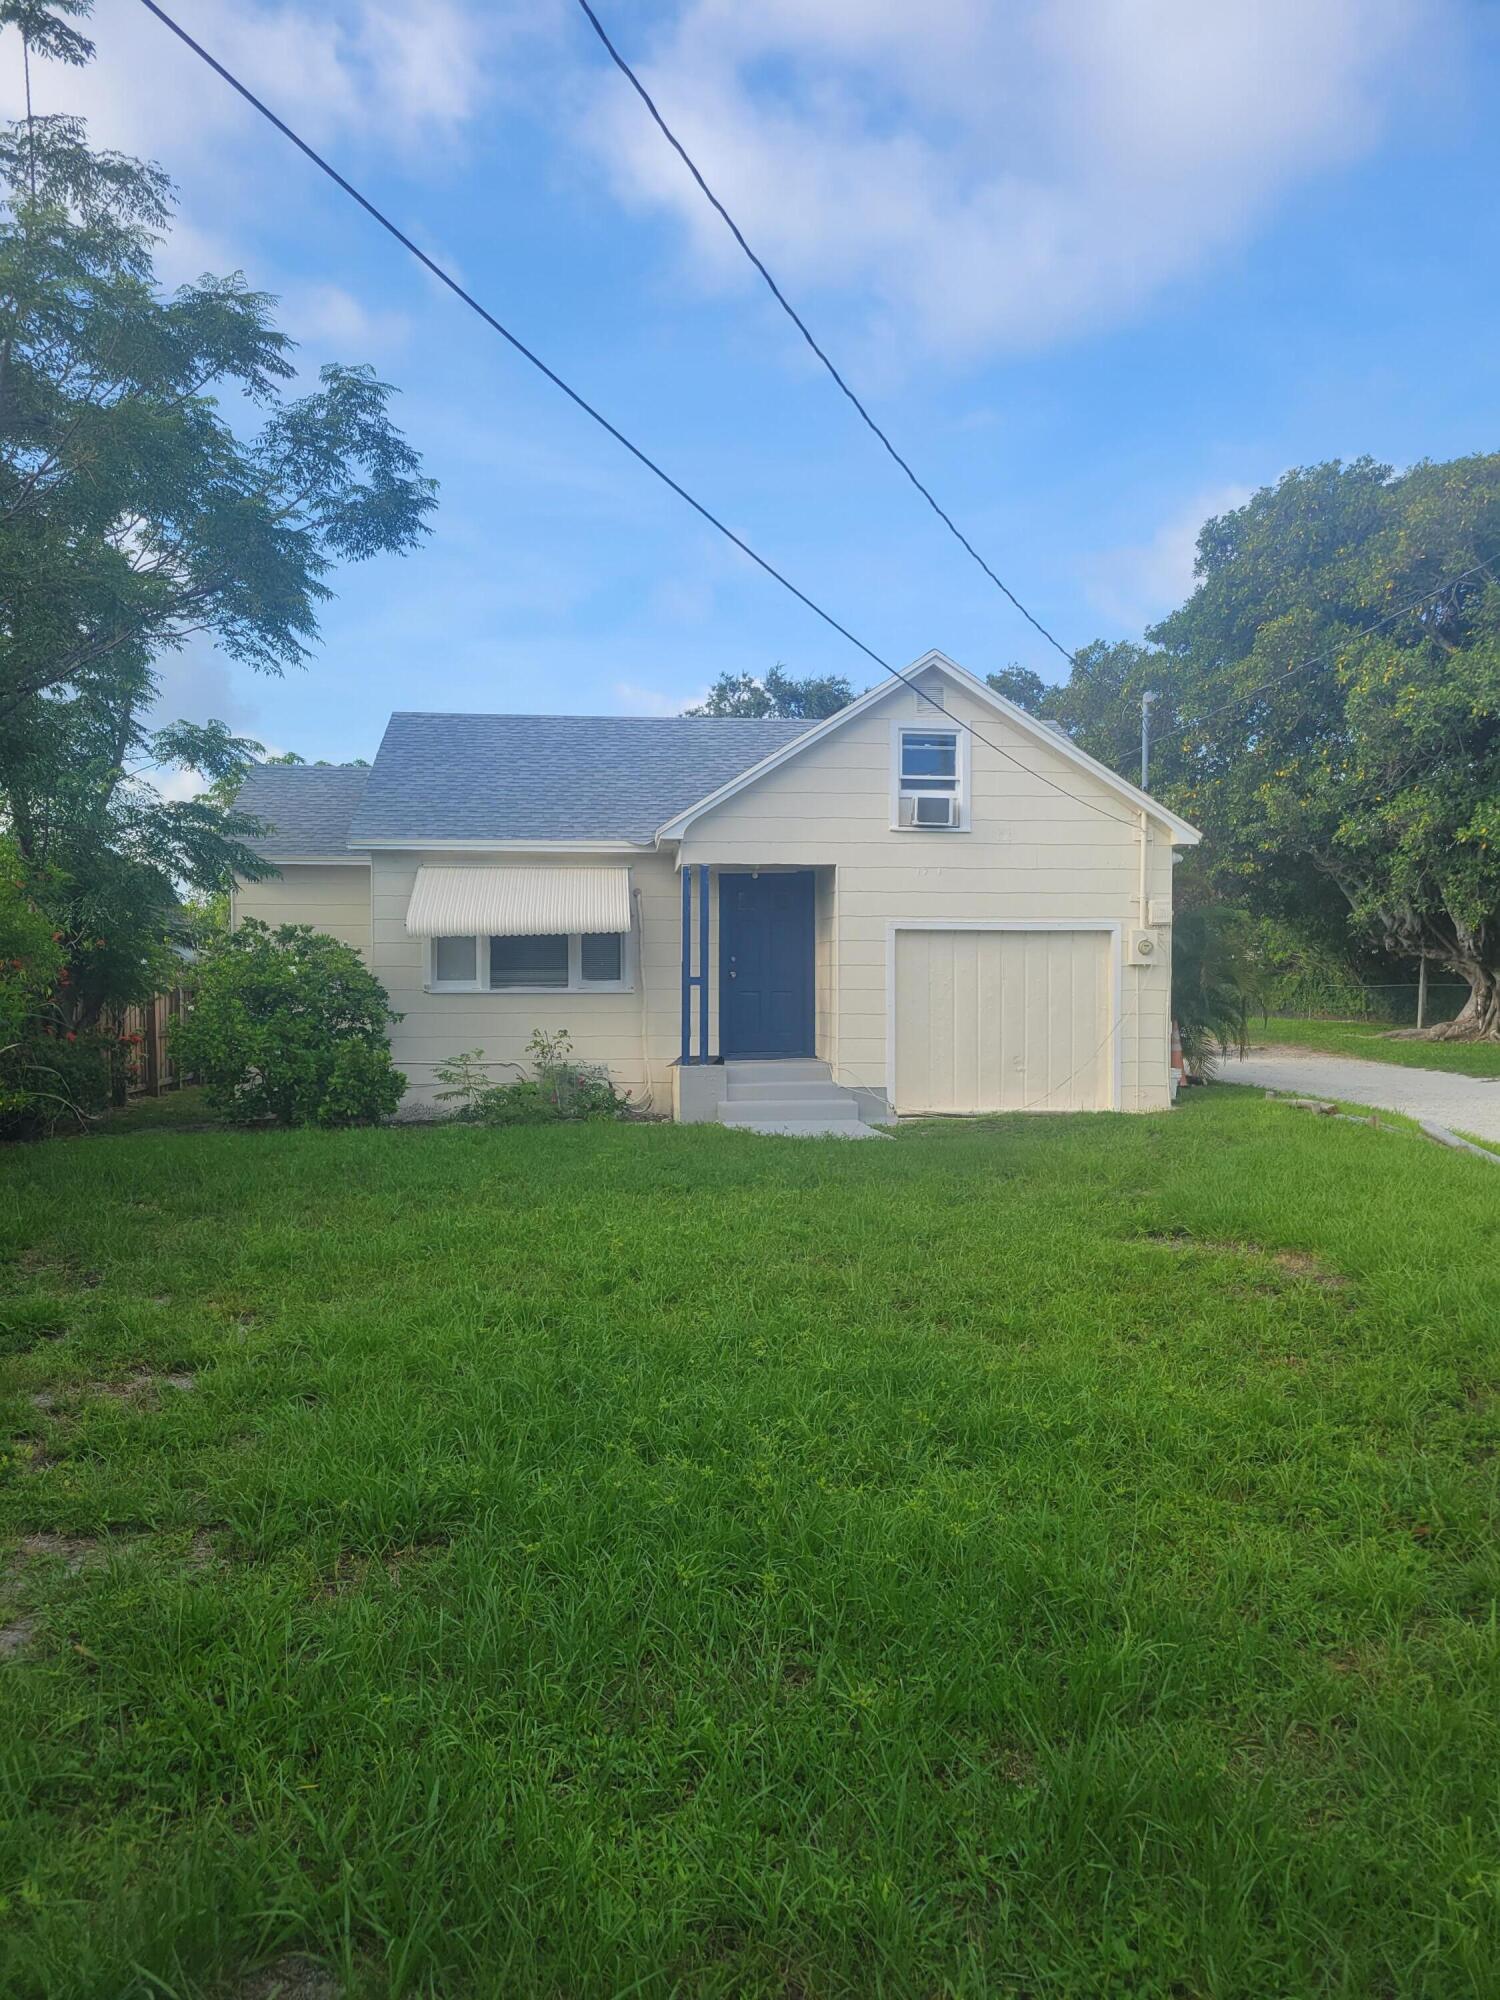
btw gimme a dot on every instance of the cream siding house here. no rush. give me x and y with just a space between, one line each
930 903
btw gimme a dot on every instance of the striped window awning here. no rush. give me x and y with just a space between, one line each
518 902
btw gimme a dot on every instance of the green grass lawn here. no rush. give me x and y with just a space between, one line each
1372 1040
174 1111
1047 1558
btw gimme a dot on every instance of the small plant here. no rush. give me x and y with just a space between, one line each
560 1090
523 1102
576 1090
466 1079
1215 984
290 1026
548 1049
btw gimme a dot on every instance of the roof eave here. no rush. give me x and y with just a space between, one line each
332 858
531 844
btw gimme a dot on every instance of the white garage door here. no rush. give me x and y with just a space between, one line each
1004 1020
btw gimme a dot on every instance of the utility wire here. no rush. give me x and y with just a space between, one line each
1321 659
802 327
444 277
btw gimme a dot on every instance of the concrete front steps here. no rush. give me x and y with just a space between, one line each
796 1099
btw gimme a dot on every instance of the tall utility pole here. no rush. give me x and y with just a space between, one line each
1146 700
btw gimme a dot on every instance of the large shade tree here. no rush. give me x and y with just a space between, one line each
1329 709
1335 679
165 481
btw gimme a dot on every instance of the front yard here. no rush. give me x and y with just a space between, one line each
1049 1558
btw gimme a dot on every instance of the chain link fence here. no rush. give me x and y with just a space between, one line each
1392 1002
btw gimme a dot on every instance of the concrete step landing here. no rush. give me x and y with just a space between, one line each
792 1098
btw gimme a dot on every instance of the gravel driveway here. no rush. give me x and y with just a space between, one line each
1464 1103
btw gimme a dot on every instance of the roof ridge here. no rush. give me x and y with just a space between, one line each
538 715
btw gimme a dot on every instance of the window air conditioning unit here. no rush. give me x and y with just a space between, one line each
934 809
1144 948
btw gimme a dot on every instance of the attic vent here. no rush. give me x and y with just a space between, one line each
929 692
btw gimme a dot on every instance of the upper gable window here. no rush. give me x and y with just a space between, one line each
930 779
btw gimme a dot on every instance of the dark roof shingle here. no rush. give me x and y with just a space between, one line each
553 777
307 806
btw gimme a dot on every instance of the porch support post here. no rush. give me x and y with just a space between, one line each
687 965
703 961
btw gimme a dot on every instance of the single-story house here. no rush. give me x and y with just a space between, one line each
928 903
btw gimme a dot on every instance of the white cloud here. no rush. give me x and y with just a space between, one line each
329 315
176 785
365 79
1141 582
998 177
196 683
375 73
635 700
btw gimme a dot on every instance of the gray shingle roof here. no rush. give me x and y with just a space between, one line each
309 806
553 777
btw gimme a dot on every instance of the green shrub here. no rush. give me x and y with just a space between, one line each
560 1089
290 1026
525 1102
49 1073
51 1076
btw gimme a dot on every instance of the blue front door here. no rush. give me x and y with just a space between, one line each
766 965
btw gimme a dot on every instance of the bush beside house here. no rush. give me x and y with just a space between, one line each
288 1026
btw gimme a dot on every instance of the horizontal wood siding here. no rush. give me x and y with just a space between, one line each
604 1027
331 899
1032 851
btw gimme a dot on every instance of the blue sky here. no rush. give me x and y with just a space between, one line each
1100 269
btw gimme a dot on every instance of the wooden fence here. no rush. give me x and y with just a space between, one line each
151 1069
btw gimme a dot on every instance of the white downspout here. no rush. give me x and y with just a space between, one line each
1144 902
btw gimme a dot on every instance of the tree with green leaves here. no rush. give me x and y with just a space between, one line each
780 693
137 518
1329 712
1099 705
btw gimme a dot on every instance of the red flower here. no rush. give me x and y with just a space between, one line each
72 1038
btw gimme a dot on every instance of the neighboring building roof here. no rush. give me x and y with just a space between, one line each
482 778
307 806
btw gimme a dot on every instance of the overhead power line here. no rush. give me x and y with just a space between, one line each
806 332
446 278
